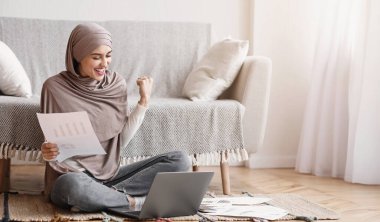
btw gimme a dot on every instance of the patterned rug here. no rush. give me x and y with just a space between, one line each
22 207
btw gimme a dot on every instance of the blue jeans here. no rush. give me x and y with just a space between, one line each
89 194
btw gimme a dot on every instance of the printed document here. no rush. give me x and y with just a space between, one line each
72 132
241 200
241 207
262 211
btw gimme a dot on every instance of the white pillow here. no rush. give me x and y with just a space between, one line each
13 78
216 71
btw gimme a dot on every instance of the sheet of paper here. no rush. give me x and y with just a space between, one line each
212 205
261 211
235 200
72 132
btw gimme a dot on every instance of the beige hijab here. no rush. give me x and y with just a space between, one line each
105 101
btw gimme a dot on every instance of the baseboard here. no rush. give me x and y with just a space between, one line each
257 161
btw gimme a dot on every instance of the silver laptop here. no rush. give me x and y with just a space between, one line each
172 194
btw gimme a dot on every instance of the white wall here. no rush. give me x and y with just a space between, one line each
284 31
227 17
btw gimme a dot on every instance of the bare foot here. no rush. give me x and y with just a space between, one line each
131 201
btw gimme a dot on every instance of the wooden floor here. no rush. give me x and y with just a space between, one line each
353 202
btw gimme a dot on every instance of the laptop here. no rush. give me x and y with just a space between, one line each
172 194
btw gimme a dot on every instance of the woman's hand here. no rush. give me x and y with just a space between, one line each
49 151
145 84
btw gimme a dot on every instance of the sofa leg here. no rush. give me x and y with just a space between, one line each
225 173
5 166
195 168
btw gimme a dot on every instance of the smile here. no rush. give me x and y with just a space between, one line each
100 72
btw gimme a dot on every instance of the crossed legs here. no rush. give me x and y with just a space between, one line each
88 194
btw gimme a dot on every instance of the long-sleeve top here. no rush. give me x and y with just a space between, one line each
133 123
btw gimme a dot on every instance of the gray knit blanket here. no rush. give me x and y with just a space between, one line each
209 132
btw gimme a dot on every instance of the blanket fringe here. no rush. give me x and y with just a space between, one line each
1 150
211 158
9 150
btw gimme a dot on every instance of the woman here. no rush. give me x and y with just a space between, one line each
93 183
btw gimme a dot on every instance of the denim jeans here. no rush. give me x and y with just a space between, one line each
89 194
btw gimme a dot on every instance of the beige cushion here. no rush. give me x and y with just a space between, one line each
13 78
216 71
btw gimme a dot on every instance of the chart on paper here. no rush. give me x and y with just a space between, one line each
70 129
72 132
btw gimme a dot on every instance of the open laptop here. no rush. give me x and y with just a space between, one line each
172 194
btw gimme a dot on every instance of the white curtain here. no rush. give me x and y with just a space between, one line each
341 129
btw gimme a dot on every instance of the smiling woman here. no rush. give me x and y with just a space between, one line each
95 64
98 182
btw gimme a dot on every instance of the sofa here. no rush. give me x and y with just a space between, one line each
212 132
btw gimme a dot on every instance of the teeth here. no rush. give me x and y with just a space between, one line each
100 70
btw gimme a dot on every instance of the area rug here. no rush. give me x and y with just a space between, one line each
22 207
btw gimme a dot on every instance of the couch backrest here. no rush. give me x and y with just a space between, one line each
165 50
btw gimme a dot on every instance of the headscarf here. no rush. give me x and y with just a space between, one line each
84 39
105 101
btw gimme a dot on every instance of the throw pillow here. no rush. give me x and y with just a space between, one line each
13 78
216 71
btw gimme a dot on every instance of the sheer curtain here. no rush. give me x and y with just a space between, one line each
341 129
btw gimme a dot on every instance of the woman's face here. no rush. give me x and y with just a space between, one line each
94 65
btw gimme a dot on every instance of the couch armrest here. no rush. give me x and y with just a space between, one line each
252 88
